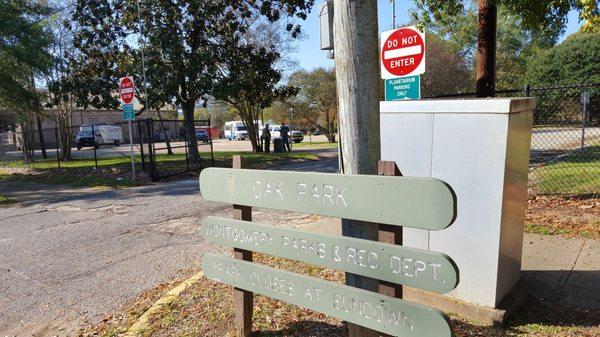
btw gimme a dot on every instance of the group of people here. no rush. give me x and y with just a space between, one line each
266 138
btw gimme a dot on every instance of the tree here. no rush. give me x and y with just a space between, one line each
23 56
317 99
250 76
446 72
187 41
60 96
575 60
544 18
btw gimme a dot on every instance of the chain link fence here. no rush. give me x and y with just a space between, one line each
565 143
160 149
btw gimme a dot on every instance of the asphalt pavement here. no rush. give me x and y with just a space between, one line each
73 255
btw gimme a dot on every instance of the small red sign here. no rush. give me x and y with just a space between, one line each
127 89
403 53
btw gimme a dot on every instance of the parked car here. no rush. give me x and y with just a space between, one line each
297 136
84 139
275 131
235 130
104 135
202 136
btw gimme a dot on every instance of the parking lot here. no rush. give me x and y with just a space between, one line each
219 145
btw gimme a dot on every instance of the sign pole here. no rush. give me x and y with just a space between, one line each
389 234
242 299
131 151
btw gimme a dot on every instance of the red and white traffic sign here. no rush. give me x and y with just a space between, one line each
402 52
126 89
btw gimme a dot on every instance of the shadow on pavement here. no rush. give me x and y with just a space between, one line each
306 328
580 288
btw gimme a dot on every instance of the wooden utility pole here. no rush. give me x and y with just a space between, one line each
357 74
486 48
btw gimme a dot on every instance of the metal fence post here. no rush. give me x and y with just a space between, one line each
151 149
527 90
210 139
585 96
94 146
141 140
57 145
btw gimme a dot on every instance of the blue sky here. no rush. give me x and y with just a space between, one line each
310 56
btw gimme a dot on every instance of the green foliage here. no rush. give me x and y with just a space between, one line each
316 101
543 16
576 60
446 70
523 27
193 48
23 55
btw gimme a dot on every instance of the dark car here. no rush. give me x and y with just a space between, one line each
85 139
202 136
297 136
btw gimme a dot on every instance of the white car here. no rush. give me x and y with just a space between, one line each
235 130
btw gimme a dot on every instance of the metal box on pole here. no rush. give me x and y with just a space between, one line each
481 148
326 21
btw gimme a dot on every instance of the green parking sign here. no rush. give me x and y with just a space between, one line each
128 112
402 88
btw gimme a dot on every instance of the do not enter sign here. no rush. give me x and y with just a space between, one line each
126 89
402 53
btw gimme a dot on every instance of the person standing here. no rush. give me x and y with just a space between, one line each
266 139
285 134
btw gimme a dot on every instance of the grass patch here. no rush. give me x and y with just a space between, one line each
6 201
575 174
116 171
567 216
206 309
532 228
305 145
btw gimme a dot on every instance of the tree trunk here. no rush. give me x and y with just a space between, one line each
486 48
167 140
357 69
41 136
249 115
190 130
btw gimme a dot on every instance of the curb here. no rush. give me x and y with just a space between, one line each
142 323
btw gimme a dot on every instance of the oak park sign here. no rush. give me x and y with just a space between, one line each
424 203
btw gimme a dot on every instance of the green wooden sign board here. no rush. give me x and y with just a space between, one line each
403 88
413 267
425 203
389 315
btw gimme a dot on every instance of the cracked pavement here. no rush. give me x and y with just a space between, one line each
72 255
82 253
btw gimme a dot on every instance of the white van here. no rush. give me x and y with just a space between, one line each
235 130
104 135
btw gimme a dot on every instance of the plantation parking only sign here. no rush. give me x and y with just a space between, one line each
402 52
403 88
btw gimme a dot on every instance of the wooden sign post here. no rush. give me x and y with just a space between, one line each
390 199
242 299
